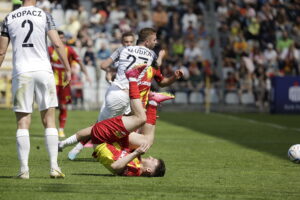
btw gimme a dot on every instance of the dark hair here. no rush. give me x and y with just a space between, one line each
60 32
126 34
160 169
145 33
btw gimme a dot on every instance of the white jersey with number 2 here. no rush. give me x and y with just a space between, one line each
130 57
27 29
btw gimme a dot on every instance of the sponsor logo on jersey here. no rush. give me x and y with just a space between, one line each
120 134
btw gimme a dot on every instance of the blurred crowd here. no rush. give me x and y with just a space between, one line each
258 39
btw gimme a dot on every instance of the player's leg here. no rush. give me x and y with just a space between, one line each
45 93
23 92
138 117
23 143
148 129
62 117
64 96
83 135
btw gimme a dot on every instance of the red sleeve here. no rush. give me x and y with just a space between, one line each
158 76
132 171
73 55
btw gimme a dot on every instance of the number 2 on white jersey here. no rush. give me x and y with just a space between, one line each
25 44
129 57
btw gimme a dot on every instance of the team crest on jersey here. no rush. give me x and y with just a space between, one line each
120 134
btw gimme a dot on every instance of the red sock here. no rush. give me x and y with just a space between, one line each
151 114
62 117
134 92
84 142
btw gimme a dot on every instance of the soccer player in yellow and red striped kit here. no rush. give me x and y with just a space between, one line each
63 89
116 146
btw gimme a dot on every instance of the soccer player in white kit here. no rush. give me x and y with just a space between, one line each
32 77
116 97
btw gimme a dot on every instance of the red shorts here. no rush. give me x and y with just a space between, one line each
64 94
110 131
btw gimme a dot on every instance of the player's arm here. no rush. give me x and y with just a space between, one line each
119 165
84 70
4 41
160 58
106 66
60 49
166 81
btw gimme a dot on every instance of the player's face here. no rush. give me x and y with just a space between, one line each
150 164
151 41
128 41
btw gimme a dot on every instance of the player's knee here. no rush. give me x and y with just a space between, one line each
141 119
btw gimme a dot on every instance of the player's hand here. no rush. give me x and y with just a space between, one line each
67 77
142 149
179 73
162 53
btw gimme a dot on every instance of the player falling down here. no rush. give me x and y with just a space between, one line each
116 146
116 98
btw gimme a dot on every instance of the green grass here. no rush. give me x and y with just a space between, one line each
208 156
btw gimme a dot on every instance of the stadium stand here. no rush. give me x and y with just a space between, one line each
258 40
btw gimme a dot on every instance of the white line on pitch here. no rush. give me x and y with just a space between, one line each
257 122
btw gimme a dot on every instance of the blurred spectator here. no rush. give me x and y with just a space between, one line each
103 52
271 60
145 21
160 19
89 57
189 20
192 53
231 82
195 81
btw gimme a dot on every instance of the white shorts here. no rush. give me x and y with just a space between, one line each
39 85
116 103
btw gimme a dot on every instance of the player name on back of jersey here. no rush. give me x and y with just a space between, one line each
22 13
141 51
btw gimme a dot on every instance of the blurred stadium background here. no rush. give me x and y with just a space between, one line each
235 53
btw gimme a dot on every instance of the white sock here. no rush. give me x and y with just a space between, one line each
51 140
69 141
153 103
132 79
79 146
23 148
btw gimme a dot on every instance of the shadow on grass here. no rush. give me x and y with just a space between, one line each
7 177
84 160
89 174
263 138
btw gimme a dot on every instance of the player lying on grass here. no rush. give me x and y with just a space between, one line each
115 146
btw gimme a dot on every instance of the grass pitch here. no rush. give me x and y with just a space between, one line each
208 156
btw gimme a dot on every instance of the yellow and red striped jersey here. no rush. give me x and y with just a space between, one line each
145 83
106 154
58 67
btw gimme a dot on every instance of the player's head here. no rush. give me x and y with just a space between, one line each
61 35
153 167
127 39
147 37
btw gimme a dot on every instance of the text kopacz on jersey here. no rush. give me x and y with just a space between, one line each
27 12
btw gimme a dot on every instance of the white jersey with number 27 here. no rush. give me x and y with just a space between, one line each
27 29
130 57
